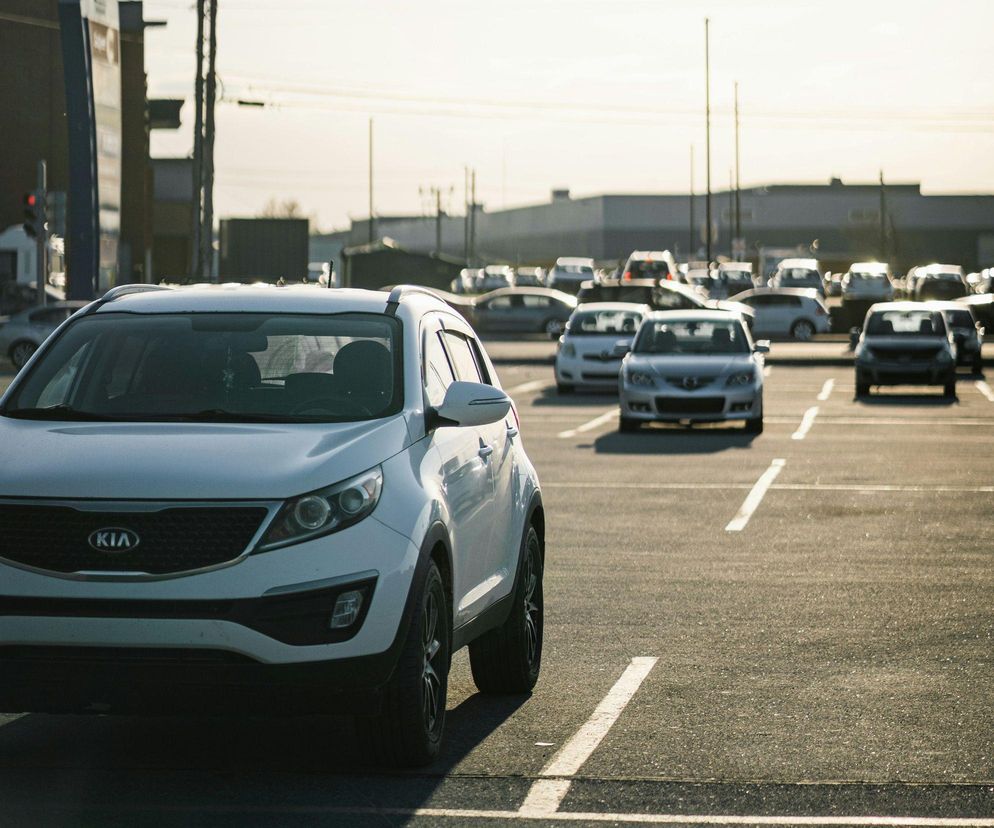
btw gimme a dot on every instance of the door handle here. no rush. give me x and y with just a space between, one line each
486 451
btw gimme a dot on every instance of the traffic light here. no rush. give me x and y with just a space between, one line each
34 215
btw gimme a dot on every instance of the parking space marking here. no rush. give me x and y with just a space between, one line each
767 370
893 421
826 390
592 424
807 421
525 387
755 497
985 389
545 795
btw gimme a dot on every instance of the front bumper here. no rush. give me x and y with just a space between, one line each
903 373
707 405
580 371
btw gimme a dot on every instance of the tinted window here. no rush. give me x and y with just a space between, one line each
437 374
536 301
501 303
463 358
704 337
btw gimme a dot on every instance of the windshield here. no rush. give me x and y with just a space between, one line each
944 276
798 274
703 337
218 367
647 269
575 269
735 275
906 323
604 322
863 276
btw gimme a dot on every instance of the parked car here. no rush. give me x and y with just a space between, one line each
731 278
967 332
868 281
569 273
699 280
468 281
22 334
905 343
596 339
661 296
651 264
692 366
982 305
274 501
523 310
939 281
529 277
833 284
796 312
495 277
798 273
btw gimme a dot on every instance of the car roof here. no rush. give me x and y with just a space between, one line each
552 293
612 306
239 298
807 263
940 268
648 255
873 267
735 265
804 293
945 305
575 260
900 306
701 315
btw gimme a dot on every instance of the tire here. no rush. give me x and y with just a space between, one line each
21 352
552 326
949 387
563 388
755 425
408 730
627 425
862 386
508 659
802 330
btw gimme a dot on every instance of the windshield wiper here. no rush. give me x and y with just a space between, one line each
57 412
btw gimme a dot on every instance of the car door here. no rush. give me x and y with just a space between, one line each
535 310
496 314
496 448
466 482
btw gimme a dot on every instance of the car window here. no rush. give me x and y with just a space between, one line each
692 336
499 303
536 301
671 300
464 359
437 371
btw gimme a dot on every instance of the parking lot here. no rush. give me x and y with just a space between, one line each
790 628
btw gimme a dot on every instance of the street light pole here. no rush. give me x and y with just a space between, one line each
738 185
372 226
692 246
707 124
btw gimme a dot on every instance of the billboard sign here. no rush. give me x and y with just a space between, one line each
91 48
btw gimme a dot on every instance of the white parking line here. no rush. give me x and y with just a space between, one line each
807 421
525 387
985 389
545 795
755 497
826 390
767 370
597 421
780 487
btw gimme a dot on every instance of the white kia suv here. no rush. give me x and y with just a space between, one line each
267 499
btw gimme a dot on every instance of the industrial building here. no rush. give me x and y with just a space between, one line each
839 223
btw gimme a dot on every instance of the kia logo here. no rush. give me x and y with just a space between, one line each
113 539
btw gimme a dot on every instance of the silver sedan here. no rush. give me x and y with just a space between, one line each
23 332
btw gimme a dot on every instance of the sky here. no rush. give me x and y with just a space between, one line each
598 96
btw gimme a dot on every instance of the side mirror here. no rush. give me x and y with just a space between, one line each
622 347
472 404
762 346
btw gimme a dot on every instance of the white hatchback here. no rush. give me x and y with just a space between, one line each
597 337
271 499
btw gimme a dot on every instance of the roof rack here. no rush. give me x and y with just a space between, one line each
124 290
398 292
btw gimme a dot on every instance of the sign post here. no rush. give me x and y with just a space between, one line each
92 60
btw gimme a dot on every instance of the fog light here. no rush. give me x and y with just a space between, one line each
346 609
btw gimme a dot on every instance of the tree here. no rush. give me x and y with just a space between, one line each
288 208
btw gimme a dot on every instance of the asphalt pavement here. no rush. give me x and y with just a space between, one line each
794 628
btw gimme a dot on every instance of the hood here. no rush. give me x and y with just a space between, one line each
697 366
188 461
599 345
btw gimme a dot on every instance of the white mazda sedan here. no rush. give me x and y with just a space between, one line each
268 499
692 367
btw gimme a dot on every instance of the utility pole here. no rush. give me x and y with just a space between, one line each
41 237
731 216
472 220
693 230
207 233
198 147
707 126
438 220
372 224
465 223
883 219
738 185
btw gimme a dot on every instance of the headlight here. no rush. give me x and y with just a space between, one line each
641 378
569 350
740 379
325 511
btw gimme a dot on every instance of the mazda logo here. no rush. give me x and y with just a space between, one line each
690 383
113 539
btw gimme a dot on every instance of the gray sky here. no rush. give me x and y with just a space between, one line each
594 95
